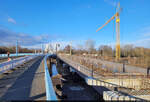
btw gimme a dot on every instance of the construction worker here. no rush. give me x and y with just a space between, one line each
8 54
9 59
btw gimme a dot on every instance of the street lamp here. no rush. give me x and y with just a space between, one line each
57 45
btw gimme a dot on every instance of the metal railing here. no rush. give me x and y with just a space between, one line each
19 54
87 72
50 92
5 66
92 78
123 79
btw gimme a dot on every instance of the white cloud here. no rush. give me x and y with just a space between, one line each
11 20
144 32
147 34
9 38
144 37
143 42
139 43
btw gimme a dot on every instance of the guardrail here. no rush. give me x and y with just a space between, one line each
19 54
50 93
5 66
89 74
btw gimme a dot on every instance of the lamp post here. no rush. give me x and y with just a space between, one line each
57 45
70 49
17 48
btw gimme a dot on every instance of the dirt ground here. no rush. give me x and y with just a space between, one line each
73 87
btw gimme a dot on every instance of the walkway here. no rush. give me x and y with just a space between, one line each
24 83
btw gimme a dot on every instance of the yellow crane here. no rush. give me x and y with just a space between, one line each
117 30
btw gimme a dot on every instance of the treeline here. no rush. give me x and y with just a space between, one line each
105 50
12 49
129 54
136 56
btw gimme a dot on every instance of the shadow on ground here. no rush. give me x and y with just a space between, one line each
21 88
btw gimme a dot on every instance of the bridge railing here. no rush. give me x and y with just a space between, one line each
94 79
5 66
86 71
50 92
19 54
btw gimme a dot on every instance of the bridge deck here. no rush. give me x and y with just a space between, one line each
25 83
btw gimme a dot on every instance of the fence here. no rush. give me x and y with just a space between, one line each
5 66
50 93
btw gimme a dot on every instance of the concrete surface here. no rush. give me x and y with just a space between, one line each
116 96
25 83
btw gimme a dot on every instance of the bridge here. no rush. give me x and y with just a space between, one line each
111 85
51 77
23 79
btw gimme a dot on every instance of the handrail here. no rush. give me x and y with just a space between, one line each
19 54
50 92
12 64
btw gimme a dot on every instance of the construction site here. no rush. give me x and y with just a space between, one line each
122 76
69 67
112 75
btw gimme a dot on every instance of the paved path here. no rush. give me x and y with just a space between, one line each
25 83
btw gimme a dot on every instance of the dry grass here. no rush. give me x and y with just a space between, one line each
134 61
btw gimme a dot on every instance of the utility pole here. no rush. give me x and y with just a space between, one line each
42 49
17 48
57 45
35 51
70 49
56 49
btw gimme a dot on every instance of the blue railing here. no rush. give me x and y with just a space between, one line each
13 63
50 92
19 54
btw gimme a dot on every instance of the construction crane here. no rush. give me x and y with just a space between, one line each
117 16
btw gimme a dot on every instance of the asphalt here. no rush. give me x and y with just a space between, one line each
24 83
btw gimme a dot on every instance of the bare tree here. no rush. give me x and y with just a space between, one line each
127 50
80 47
105 50
67 49
90 45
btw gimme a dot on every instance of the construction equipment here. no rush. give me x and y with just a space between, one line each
117 16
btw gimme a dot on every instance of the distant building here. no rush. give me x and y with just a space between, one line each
51 48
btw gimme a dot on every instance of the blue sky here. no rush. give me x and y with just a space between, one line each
35 21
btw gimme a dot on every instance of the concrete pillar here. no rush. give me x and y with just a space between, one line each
50 66
59 65
123 69
148 70
66 69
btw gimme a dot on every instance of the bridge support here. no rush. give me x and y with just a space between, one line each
123 69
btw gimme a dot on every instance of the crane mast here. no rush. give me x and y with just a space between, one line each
117 16
118 33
